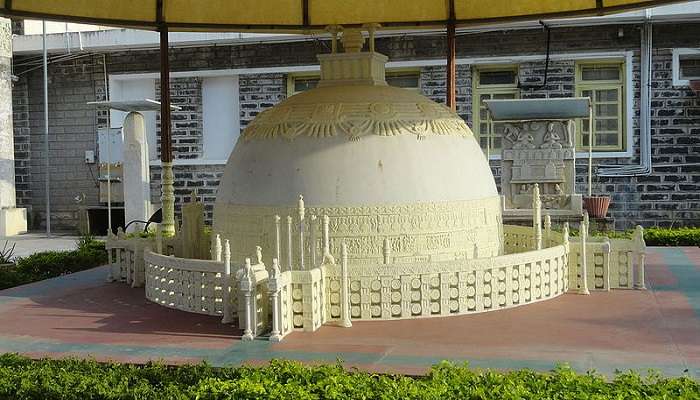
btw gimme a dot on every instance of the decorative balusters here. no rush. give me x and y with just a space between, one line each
246 287
344 288
290 260
226 286
547 230
583 260
537 216
327 257
217 248
638 238
313 225
606 264
386 251
278 244
301 232
273 287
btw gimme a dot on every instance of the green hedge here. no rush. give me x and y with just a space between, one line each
49 264
24 379
687 236
672 237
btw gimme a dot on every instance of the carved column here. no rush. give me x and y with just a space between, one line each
344 289
273 287
247 289
12 220
641 249
228 312
168 198
537 216
584 251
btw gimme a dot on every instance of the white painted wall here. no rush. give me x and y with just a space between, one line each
221 116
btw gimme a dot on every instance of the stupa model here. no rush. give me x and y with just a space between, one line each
358 201
383 163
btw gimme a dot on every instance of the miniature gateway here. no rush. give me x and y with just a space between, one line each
400 218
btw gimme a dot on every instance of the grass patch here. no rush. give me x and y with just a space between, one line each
89 253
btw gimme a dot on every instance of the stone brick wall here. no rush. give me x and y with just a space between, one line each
72 130
668 196
259 92
200 179
187 123
20 119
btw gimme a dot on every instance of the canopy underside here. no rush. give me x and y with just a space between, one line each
306 15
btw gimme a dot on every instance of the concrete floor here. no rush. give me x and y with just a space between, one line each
659 328
30 243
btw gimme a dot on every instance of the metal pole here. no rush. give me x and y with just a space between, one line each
47 181
590 145
109 180
451 99
166 156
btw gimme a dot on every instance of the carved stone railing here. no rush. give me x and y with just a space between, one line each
451 288
253 299
280 292
517 239
125 258
609 263
185 284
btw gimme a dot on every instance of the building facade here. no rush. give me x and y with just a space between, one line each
221 85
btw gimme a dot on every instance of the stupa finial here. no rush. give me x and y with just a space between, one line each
353 41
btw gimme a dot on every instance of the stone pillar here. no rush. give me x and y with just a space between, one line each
137 181
13 220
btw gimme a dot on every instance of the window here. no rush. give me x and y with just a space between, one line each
407 79
491 83
603 83
689 67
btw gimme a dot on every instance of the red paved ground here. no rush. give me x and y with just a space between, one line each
657 328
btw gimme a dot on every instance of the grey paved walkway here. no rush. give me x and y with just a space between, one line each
33 242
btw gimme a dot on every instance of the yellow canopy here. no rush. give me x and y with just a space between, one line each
305 15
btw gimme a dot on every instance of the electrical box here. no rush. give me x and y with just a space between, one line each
110 144
89 157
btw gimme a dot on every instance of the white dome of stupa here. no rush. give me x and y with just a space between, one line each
381 162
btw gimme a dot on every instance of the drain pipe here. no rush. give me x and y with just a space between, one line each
645 163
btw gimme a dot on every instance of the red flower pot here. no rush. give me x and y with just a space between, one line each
597 206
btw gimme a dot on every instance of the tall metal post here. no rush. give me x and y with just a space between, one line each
451 84
47 177
590 146
166 154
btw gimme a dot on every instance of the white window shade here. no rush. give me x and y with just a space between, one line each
221 116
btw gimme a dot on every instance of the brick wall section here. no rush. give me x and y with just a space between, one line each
20 118
666 197
201 179
561 77
187 123
259 92
72 130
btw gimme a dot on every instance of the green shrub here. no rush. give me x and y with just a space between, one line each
24 379
49 264
687 236
672 237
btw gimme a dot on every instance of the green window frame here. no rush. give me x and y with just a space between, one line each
604 83
491 82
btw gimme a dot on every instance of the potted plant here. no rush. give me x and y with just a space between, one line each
7 255
596 205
